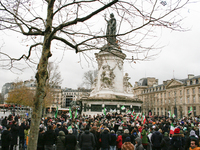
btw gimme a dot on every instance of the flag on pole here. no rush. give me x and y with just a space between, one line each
76 114
122 108
132 113
104 111
169 112
143 119
137 116
173 116
70 113
172 129
190 111
128 112
56 114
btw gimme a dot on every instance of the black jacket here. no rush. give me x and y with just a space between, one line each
87 140
6 138
40 143
156 139
70 141
50 137
105 139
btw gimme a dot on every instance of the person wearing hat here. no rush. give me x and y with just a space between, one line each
165 144
192 136
127 145
177 141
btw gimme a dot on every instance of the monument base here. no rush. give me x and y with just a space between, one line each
94 106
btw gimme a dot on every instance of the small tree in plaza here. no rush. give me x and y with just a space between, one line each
72 25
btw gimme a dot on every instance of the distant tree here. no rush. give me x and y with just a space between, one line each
21 95
89 77
1 99
72 25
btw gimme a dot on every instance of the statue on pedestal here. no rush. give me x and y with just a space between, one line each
111 30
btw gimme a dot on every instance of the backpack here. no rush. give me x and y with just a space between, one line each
178 142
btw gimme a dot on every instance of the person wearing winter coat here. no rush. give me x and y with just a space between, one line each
105 139
6 138
127 145
177 141
188 139
49 138
40 144
15 134
119 140
113 139
125 135
70 140
138 145
144 137
87 141
165 144
60 142
156 139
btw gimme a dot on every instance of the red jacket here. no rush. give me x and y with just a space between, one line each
119 141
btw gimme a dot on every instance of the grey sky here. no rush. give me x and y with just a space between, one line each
178 58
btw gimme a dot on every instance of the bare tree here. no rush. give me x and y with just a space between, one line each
89 77
72 24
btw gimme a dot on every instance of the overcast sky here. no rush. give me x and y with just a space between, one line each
178 58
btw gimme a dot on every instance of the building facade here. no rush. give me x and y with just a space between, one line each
176 95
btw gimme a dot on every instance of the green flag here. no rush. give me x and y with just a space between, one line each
190 111
70 112
104 111
128 112
173 116
76 113
122 108
56 114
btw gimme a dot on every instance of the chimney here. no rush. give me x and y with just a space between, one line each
190 76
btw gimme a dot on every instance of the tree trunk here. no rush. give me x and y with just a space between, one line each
41 78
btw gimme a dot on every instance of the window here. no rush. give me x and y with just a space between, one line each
165 101
169 101
187 91
174 93
169 93
194 101
165 93
181 101
188 100
158 111
193 91
180 92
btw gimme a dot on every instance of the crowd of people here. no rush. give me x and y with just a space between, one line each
103 132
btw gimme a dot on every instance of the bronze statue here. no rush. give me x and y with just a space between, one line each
111 30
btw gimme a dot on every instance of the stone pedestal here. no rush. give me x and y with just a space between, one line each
111 88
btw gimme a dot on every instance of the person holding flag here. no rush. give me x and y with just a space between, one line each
56 114
143 119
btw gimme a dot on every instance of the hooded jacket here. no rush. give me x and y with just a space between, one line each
70 141
156 139
139 145
105 138
60 143
87 140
